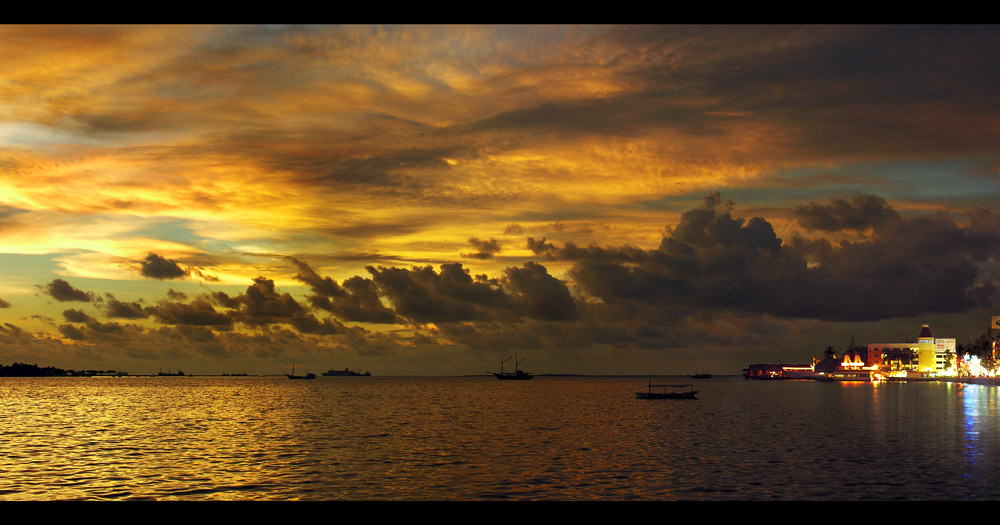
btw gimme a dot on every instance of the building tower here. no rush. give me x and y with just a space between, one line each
926 351
925 335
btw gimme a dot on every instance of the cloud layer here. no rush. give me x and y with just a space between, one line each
440 192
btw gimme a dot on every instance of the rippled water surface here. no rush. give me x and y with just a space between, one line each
476 438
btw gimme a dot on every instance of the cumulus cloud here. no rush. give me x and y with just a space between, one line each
157 267
713 260
484 249
513 229
859 213
9 329
357 300
62 291
123 310
71 332
454 295
425 296
262 304
77 316
540 295
198 312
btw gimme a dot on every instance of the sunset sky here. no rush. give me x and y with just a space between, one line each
418 199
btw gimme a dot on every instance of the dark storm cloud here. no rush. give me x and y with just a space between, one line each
322 286
513 229
206 277
77 316
106 329
454 295
222 299
262 304
72 332
175 295
484 249
712 260
157 267
357 300
869 90
361 303
571 252
540 295
540 247
9 329
122 310
309 324
197 313
93 325
859 213
62 291
426 296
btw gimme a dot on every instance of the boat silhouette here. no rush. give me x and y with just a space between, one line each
517 374
702 375
345 372
293 376
663 393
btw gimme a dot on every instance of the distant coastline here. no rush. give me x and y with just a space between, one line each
33 370
26 370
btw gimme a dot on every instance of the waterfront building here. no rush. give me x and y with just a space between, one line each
945 354
767 371
926 358
921 357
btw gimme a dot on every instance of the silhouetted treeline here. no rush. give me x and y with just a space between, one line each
26 370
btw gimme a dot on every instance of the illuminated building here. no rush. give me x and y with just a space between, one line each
928 356
764 371
945 354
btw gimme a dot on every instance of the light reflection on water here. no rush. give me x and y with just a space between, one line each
572 438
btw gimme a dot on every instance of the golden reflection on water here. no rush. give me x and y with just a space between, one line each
240 438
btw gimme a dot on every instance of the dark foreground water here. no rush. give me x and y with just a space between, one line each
574 438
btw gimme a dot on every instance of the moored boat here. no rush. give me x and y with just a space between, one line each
517 374
701 375
663 393
293 376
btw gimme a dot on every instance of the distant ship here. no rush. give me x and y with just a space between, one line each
702 375
293 376
346 372
516 374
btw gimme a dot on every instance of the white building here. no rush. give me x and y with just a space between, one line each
925 356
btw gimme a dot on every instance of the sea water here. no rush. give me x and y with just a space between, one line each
476 438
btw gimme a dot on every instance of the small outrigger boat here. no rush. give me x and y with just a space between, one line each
293 376
663 393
